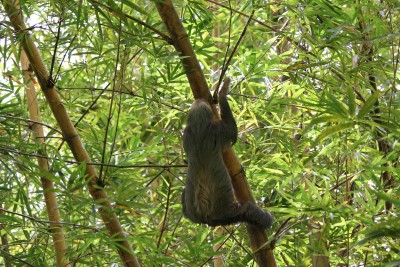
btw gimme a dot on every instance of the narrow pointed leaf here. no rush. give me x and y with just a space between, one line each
351 101
334 129
336 105
371 100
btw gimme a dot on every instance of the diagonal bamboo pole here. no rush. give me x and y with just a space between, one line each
70 134
53 212
198 84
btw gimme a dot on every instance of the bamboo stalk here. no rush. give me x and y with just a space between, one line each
70 134
180 40
53 212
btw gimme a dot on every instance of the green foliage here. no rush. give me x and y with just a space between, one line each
311 142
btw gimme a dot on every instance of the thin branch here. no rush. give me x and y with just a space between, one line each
16 258
53 58
280 32
44 222
226 64
164 221
123 16
166 166
30 122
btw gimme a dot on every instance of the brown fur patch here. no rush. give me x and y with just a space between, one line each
202 201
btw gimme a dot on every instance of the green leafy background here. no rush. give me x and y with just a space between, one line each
307 117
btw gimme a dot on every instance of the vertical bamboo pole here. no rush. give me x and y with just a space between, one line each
53 212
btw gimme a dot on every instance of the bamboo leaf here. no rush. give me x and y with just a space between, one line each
336 105
328 118
371 100
390 228
334 129
351 101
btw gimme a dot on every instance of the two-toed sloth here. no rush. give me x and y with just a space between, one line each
208 196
